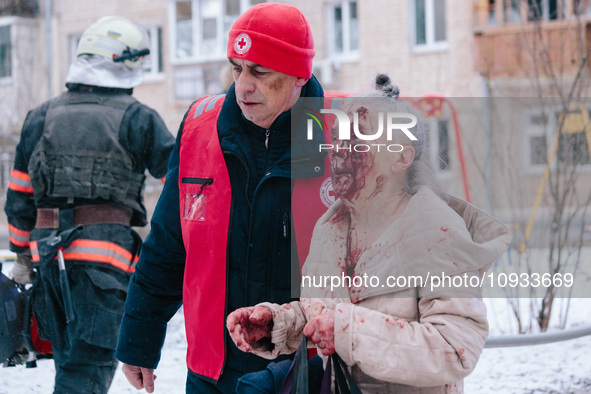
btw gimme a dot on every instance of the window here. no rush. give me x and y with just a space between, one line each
573 149
6 163
438 144
536 131
200 27
511 11
540 131
492 17
538 148
343 29
183 29
153 64
545 10
582 7
429 23
443 145
73 40
5 52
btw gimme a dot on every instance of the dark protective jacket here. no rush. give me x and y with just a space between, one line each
258 248
78 174
81 165
97 143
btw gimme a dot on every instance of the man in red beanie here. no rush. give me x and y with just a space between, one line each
221 232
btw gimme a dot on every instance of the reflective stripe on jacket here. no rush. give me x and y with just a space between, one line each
96 252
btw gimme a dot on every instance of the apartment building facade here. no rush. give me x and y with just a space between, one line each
464 52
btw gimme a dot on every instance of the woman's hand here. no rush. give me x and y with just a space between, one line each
249 325
320 331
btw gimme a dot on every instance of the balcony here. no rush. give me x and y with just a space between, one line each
518 38
534 48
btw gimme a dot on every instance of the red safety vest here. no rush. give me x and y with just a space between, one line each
205 199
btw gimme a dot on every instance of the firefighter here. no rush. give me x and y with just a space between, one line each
74 193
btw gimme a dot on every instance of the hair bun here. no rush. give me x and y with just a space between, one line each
384 84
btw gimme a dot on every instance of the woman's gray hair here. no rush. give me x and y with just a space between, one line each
420 173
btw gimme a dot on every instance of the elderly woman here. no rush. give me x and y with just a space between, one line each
392 220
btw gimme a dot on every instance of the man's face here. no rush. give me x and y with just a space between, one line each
262 93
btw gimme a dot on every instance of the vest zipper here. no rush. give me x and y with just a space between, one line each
267 134
227 281
227 152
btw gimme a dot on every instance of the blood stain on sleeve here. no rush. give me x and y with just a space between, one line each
461 354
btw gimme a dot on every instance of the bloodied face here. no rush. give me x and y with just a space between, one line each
351 170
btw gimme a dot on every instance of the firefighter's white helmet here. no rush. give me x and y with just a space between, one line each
113 36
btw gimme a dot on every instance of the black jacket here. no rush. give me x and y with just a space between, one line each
142 133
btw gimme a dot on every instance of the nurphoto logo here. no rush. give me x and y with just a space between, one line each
392 120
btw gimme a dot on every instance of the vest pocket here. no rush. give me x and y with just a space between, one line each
195 203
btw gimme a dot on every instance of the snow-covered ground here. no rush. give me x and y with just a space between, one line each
171 373
561 367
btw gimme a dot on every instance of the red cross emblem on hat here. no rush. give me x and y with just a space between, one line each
242 43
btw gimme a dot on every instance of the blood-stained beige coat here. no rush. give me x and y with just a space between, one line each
398 330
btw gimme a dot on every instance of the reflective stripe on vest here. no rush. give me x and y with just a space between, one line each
18 237
207 104
20 182
35 251
205 202
95 251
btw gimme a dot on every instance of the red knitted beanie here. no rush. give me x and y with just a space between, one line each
276 36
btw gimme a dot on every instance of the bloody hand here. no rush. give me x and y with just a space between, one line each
249 325
320 331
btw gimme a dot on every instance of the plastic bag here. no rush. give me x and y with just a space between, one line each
296 381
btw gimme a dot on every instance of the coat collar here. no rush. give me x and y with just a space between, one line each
431 237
